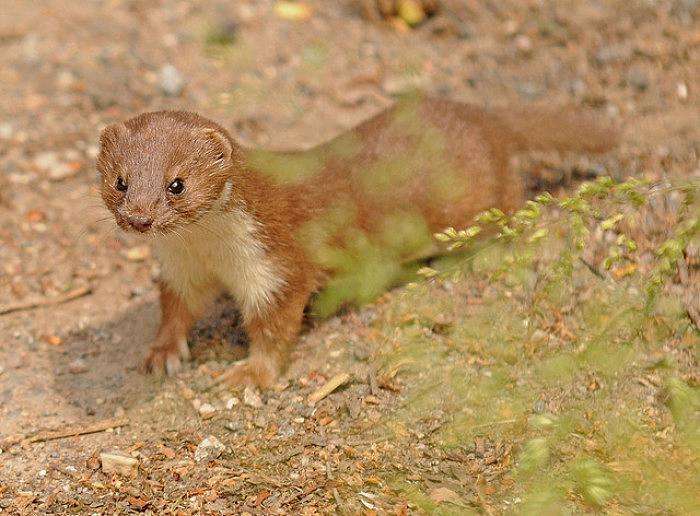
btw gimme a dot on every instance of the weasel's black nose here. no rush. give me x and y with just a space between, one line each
140 223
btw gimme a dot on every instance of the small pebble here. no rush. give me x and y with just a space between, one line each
540 335
77 366
252 398
65 79
62 171
401 84
6 131
117 463
523 44
638 79
54 167
92 151
285 430
682 91
186 392
46 160
231 402
612 53
510 27
206 410
530 89
209 449
360 354
171 81
30 48
138 253
233 426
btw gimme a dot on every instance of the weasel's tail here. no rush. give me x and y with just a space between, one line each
562 129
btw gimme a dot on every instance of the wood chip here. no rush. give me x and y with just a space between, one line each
121 464
331 385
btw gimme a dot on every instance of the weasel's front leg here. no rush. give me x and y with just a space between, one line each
170 346
272 335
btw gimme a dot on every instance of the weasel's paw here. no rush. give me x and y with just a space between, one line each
259 373
168 357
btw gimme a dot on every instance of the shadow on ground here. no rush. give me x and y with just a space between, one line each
99 371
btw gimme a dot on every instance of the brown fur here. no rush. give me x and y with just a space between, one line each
432 161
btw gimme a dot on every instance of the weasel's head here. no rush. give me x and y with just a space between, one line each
162 170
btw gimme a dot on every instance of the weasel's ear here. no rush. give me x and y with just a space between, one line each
221 149
112 134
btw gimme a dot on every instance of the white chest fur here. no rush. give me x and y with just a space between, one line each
220 251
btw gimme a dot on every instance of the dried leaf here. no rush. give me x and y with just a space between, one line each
138 503
54 340
262 496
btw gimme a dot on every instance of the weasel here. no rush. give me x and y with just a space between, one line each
273 228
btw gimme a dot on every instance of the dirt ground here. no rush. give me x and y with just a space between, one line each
68 68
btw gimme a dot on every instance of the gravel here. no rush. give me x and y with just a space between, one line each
209 449
78 366
252 398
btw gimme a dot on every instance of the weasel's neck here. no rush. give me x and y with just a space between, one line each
284 189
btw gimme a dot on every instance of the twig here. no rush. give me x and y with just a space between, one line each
302 494
338 501
45 301
690 309
72 431
693 314
591 268
493 423
331 385
373 385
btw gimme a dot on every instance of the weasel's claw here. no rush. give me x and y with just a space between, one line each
252 372
167 359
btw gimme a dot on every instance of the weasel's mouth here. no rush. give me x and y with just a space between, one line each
141 225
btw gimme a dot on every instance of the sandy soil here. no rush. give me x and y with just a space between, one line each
68 68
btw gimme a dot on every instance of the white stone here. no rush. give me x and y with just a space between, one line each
209 449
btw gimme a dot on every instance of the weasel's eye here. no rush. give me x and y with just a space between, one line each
176 187
121 185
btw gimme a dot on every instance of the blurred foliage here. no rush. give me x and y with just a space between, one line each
223 34
580 351
401 13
